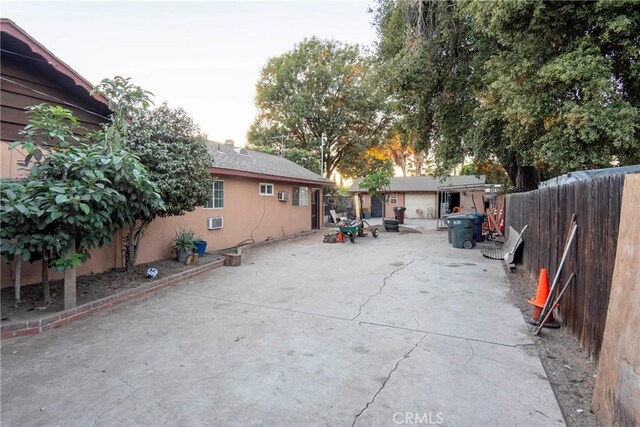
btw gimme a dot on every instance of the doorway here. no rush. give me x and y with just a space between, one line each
315 209
376 207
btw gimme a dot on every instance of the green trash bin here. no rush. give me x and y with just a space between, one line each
461 231
449 226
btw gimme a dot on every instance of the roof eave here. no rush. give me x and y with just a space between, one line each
11 28
247 174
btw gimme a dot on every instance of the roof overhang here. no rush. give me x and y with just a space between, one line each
9 27
468 187
244 174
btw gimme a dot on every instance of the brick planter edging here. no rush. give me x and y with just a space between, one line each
55 320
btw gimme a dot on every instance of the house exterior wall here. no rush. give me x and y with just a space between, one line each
30 83
9 161
102 259
246 215
400 201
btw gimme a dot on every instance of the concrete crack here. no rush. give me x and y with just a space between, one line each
386 380
364 322
119 402
473 353
268 307
384 283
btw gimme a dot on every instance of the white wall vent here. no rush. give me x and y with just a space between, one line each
214 223
283 196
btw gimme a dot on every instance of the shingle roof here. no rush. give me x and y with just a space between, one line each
243 160
423 183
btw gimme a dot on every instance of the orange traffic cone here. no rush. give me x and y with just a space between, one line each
340 237
542 293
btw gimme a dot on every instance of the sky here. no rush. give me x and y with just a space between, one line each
204 56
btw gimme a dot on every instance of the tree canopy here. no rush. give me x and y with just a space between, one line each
319 87
170 145
75 197
542 87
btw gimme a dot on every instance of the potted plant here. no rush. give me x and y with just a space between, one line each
183 244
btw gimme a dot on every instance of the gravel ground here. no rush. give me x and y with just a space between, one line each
571 372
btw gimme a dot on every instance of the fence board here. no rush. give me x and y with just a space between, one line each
548 211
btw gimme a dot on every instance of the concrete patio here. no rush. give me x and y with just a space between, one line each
403 329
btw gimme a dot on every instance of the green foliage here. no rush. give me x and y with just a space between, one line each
549 85
175 154
319 87
377 180
184 240
170 145
79 194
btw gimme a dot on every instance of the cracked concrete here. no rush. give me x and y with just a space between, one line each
373 399
384 283
303 333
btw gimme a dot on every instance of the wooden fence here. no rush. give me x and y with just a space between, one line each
547 211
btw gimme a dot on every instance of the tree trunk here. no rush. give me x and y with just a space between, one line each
133 242
45 282
527 179
70 281
18 277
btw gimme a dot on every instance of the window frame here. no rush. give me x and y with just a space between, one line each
267 185
296 190
393 198
213 196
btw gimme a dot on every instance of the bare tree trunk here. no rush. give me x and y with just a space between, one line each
18 277
45 281
70 281
133 242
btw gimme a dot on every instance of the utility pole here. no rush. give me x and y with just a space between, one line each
323 140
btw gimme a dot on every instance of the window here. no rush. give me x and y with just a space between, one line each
300 196
217 196
393 198
266 189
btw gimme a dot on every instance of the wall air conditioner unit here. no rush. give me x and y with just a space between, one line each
283 196
214 223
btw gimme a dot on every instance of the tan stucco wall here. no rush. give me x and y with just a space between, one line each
101 259
9 161
388 211
246 215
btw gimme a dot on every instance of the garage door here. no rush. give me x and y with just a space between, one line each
420 205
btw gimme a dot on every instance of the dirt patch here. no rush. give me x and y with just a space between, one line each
89 288
570 371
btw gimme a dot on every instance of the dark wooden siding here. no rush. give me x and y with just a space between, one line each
548 211
27 82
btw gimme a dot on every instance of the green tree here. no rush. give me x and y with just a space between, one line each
557 89
543 87
75 198
378 177
176 157
426 68
320 87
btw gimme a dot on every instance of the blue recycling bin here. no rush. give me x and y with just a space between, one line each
478 220
201 246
